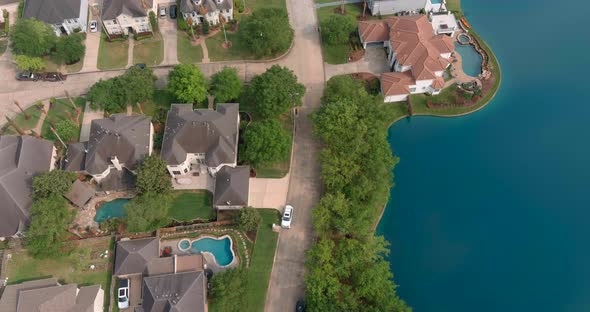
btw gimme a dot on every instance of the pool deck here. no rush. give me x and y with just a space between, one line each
85 216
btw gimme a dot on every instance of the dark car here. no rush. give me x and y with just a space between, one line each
300 306
53 76
140 65
27 76
173 11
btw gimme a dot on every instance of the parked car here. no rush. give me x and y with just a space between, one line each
163 12
140 65
53 76
123 294
93 26
27 76
300 306
287 217
173 11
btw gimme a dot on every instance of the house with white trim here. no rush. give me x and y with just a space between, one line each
389 7
65 16
122 17
200 10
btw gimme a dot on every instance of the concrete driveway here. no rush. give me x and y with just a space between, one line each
91 56
168 30
374 61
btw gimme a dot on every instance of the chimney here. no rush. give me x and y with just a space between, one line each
210 100
116 163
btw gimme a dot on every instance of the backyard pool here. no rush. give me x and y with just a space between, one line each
112 209
220 248
471 59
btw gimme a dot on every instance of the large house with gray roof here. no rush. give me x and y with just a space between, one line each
200 140
232 185
174 292
122 17
210 10
116 146
21 158
65 16
49 295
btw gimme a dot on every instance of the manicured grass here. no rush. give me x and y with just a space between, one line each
335 53
60 111
149 51
190 205
161 101
53 65
257 4
262 258
73 266
23 123
455 6
237 51
112 55
188 53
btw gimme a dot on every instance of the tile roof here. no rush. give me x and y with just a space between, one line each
21 158
232 186
372 31
132 256
396 83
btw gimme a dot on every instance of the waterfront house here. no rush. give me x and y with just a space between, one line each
122 17
200 10
65 16
417 55
389 7
21 158
116 146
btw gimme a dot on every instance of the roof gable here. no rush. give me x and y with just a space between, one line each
132 256
52 11
232 186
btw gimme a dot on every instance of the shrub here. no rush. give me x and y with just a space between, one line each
239 5
153 21
248 219
205 27
267 32
19 10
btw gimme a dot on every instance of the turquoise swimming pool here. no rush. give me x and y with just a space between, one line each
220 248
110 210
471 59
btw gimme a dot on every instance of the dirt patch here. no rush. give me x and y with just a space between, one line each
356 55
226 45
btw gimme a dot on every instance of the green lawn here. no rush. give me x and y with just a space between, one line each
190 205
72 267
238 50
188 53
22 122
257 4
161 101
53 65
149 51
60 111
112 55
261 262
455 6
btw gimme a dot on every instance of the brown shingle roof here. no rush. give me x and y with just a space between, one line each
396 83
189 263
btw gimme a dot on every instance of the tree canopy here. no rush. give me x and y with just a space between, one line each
113 95
50 218
28 63
274 92
147 212
32 37
187 83
54 182
248 219
226 85
70 49
267 32
152 176
228 289
337 28
265 142
67 130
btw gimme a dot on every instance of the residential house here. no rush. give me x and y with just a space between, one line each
80 193
199 10
49 295
122 17
232 187
132 256
444 23
65 16
115 148
388 7
182 292
200 140
21 158
417 55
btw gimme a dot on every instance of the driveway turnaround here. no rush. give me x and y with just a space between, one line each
374 61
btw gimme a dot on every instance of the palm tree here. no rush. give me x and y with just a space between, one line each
189 21
27 116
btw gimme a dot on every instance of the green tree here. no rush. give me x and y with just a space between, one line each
154 21
265 142
187 83
226 85
34 64
248 219
228 289
267 32
337 28
274 92
205 27
54 182
147 212
32 37
50 218
335 215
136 85
152 176
108 95
70 49
68 130
139 85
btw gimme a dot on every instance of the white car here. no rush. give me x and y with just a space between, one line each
123 294
93 26
287 217
163 12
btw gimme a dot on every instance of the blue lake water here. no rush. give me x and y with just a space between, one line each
470 59
220 248
110 210
491 212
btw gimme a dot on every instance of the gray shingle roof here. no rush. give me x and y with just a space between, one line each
126 137
54 297
134 8
21 158
232 186
188 6
10 295
181 292
52 11
80 193
213 133
132 256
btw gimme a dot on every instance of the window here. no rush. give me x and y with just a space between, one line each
176 172
413 89
185 170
